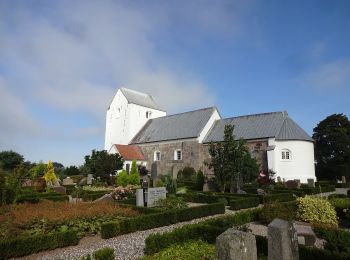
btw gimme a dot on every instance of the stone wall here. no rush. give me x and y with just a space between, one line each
193 155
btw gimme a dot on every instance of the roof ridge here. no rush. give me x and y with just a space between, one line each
213 107
284 114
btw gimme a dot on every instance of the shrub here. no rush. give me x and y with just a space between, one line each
134 177
191 250
280 197
50 176
316 211
170 184
106 253
172 202
22 246
122 179
199 180
285 210
338 240
143 222
186 174
337 196
244 203
207 231
122 193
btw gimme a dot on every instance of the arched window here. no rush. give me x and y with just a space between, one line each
177 155
286 155
157 156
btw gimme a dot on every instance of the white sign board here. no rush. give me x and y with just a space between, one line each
155 194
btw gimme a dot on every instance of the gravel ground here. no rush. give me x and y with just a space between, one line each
128 246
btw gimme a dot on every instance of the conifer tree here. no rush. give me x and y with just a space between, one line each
50 176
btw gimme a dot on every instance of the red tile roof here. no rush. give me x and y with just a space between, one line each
130 152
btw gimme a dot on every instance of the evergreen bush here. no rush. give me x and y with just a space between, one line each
106 253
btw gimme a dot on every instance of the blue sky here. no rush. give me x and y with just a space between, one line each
62 61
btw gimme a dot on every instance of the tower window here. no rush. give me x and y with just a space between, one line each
148 114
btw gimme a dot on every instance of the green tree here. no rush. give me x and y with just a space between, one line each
122 178
50 176
199 180
37 170
13 184
71 170
250 169
102 165
134 177
10 160
228 160
332 147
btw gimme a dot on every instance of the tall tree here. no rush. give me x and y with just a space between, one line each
332 147
10 160
229 160
50 176
101 164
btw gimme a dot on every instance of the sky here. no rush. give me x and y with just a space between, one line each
61 62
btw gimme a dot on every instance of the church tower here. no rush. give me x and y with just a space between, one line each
127 114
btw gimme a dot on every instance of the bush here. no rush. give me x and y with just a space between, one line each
172 202
191 250
316 211
106 253
22 246
207 231
285 210
122 178
244 203
143 222
337 196
170 184
338 240
280 197
199 180
186 174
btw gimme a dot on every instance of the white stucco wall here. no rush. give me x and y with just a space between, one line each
208 126
301 165
124 120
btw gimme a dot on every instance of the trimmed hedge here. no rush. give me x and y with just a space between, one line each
278 197
92 195
128 225
305 252
22 246
106 253
36 197
244 203
207 231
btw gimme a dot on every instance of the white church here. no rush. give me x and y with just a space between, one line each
138 129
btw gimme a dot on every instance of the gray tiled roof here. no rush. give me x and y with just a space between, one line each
174 127
258 126
140 98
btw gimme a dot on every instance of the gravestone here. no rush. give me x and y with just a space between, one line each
139 198
67 181
279 179
235 244
89 179
59 189
282 241
298 183
311 183
306 235
154 195
343 179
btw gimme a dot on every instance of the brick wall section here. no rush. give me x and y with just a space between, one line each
193 155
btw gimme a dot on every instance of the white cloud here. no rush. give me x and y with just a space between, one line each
332 75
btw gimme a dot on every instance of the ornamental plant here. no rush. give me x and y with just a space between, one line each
50 176
317 211
122 193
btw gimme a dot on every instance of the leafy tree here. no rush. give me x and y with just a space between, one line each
101 164
10 160
122 178
13 184
37 170
228 160
71 170
250 169
332 147
50 176
134 169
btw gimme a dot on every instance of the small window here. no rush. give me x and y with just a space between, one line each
157 156
177 155
286 155
148 114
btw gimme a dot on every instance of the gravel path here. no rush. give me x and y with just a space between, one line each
128 246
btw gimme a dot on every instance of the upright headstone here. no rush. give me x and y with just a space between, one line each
68 181
279 179
343 179
89 179
282 241
139 198
154 195
311 183
235 244
298 183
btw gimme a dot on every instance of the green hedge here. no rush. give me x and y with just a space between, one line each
342 185
279 197
131 201
207 231
106 253
92 195
244 203
32 244
128 225
305 253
